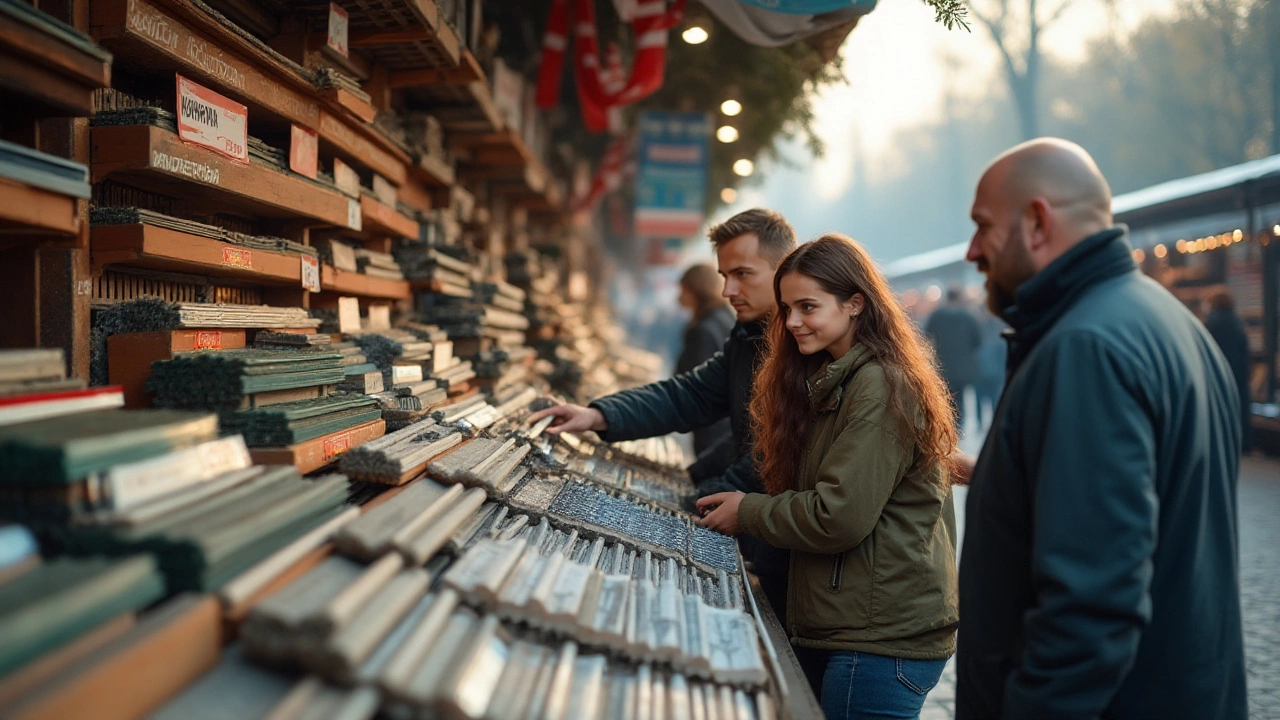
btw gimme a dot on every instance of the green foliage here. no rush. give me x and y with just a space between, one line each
951 13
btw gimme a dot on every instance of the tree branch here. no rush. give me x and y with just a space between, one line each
1056 14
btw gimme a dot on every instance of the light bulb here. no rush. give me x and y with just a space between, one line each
727 134
695 35
730 107
728 195
744 167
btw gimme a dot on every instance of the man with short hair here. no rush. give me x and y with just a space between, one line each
1099 574
748 248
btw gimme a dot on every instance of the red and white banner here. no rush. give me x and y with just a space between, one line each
603 87
210 120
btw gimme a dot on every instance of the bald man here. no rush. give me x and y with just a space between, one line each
1099 574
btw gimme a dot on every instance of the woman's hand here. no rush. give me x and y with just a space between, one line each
720 512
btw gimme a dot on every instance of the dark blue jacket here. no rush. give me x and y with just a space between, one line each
703 338
1099 574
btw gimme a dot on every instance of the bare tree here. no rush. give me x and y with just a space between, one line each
1016 33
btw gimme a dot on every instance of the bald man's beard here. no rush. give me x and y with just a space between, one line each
1015 268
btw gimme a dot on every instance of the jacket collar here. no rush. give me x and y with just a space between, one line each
1044 298
749 330
826 387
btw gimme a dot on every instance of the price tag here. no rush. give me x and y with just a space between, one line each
384 191
210 120
237 257
208 340
335 446
304 152
355 220
310 273
346 178
339 29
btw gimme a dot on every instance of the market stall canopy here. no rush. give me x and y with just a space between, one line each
781 22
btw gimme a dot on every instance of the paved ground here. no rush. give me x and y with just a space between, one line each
1260 593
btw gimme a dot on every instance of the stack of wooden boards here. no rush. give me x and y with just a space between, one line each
282 400
34 385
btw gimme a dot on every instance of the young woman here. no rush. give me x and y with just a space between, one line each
854 436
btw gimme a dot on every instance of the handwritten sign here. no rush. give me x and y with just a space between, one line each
310 273
213 121
304 151
339 29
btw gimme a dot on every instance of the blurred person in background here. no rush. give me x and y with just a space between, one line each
953 330
990 378
1227 330
704 336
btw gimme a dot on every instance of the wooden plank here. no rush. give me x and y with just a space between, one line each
344 98
35 211
347 283
136 673
370 38
415 195
461 75
164 249
49 70
147 39
381 218
153 158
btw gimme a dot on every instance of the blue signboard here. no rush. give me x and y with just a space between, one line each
807 7
671 186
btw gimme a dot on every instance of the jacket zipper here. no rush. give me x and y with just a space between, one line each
837 571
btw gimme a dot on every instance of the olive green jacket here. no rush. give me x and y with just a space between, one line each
871 527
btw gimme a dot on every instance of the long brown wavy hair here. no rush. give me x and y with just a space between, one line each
780 414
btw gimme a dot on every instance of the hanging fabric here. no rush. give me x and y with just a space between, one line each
555 42
650 27
608 176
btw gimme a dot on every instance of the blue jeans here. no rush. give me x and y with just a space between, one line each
862 686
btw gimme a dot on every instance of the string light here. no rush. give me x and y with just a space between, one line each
731 107
728 195
727 134
1160 251
1237 236
744 167
1181 245
695 35
1138 255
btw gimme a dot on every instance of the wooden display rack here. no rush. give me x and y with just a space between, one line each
153 158
27 212
158 248
49 68
343 282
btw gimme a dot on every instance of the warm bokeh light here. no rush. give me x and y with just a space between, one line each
695 35
1160 251
728 195
727 134
744 167
730 107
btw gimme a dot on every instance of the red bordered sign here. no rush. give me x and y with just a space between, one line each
210 120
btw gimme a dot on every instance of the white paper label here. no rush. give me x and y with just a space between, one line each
310 273
355 220
339 29
210 120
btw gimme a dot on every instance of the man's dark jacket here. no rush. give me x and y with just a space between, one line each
705 337
1099 570
956 337
718 388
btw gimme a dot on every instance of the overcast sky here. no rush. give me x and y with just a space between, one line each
898 62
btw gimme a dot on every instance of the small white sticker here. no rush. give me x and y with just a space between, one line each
354 219
310 273
339 26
